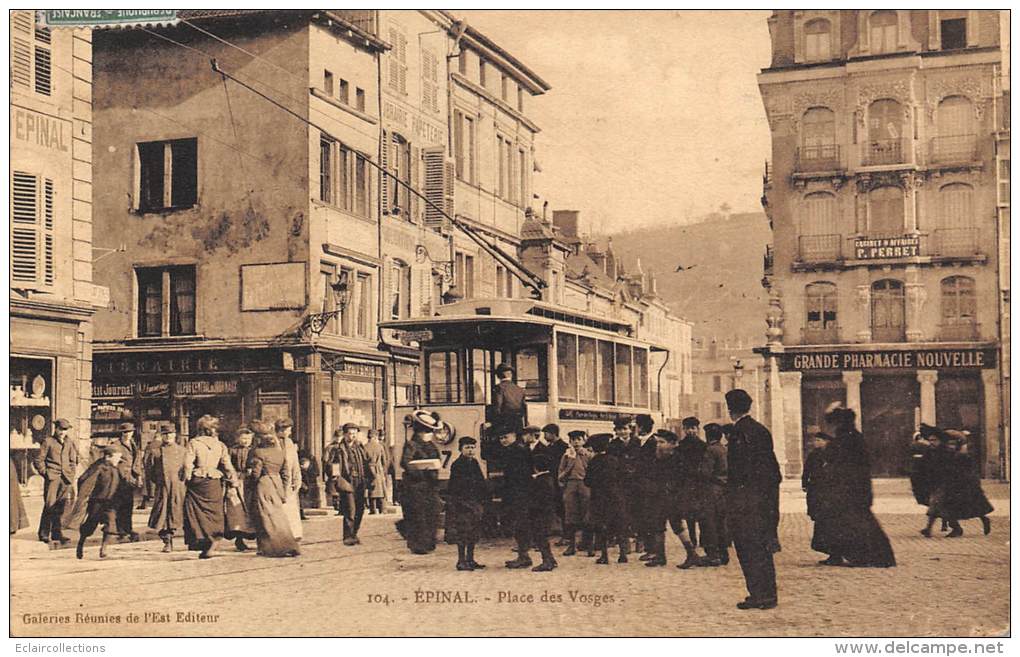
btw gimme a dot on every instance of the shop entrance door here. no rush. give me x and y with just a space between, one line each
888 406
958 404
816 395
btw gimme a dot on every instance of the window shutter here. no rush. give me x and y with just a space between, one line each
415 182
449 176
435 185
25 234
21 48
384 178
42 71
403 63
394 67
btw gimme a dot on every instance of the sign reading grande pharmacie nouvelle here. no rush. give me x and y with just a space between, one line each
874 248
921 359
103 17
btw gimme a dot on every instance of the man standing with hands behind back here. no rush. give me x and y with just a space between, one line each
752 487
57 462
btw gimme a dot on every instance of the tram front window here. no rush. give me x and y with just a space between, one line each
443 385
640 377
623 375
530 363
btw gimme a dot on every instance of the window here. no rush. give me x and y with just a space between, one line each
887 311
716 410
955 210
462 61
343 177
32 257
640 377
464 146
400 166
821 306
359 95
606 368
954 33
522 169
819 214
327 82
345 92
817 40
166 301
885 132
884 31
624 374
400 290
325 169
505 184
955 125
328 275
30 62
464 274
959 304
481 72
587 370
442 383
504 88
716 383
885 211
520 99
168 174
818 139
397 77
566 366
530 366
429 81
364 306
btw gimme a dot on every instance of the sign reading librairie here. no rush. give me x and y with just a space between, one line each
875 248
921 359
103 17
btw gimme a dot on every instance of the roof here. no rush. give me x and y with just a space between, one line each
535 83
341 24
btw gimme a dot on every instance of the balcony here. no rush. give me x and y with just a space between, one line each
960 331
888 334
820 248
953 149
956 243
879 152
819 335
824 157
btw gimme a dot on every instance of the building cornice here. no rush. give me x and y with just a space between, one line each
56 310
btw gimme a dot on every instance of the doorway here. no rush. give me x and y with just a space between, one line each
958 405
889 405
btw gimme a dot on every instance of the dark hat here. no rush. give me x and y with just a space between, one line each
63 424
645 423
531 428
738 401
621 422
599 442
552 428
283 423
110 451
408 420
466 440
667 435
690 421
348 426
577 433
503 367
727 429
713 430
124 427
426 420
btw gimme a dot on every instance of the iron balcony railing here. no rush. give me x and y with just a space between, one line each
953 148
821 157
956 242
884 151
960 331
820 248
820 335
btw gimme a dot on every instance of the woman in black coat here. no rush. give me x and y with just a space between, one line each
420 487
956 492
822 508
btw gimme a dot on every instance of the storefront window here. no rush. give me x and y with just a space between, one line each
31 385
587 370
640 377
443 384
607 380
566 364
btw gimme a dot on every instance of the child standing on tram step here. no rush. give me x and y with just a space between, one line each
468 492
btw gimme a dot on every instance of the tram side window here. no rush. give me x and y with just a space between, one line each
640 377
443 385
480 376
624 394
607 379
566 363
587 370
530 363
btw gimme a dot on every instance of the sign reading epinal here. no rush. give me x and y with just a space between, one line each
106 17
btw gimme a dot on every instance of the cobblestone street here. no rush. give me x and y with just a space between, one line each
940 587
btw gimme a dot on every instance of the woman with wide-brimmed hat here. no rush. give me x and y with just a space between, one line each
419 498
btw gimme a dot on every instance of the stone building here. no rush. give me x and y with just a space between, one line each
721 366
883 197
52 298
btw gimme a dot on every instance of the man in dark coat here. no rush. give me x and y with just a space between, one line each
507 413
98 499
541 498
351 475
131 470
515 459
751 491
657 507
608 507
715 538
57 462
556 447
643 485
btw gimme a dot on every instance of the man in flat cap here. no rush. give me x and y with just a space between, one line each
752 488
351 475
97 500
507 413
130 467
57 462
642 485
556 447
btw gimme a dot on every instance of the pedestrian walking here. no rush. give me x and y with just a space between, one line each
97 501
352 476
57 462
608 507
238 511
715 537
206 466
131 470
18 516
956 492
292 505
378 463
154 445
268 479
308 493
419 496
751 490
571 472
468 492
164 467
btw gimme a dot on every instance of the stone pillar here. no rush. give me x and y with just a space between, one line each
993 429
916 297
927 379
774 388
863 303
789 449
852 381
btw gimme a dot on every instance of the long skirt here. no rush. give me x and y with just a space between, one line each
274 535
856 536
238 510
203 513
421 505
19 518
463 521
292 511
167 515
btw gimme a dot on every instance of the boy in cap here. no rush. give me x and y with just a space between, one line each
658 506
57 462
608 506
571 472
97 500
714 538
467 492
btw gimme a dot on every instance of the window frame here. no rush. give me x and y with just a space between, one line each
170 313
166 179
958 293
819 297
820 54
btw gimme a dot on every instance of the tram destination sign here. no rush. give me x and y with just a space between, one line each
919 359
407 337
591 415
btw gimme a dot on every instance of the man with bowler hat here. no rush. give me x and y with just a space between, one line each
57 462
130 467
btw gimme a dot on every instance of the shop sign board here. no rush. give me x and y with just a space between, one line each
876 248
187 362
205 387
907 359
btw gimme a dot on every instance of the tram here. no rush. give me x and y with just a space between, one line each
578 370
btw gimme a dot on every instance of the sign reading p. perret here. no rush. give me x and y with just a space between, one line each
874 248
106 17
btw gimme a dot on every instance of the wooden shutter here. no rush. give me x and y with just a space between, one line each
449 176
32 257
21 48
435 185
402 40
415 182
384 179
394 63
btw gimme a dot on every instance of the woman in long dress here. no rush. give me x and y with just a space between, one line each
269 480
292 463
420 497
237 511
19 518
206 466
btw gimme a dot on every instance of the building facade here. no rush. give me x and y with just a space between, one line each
52 298
719 367
883 197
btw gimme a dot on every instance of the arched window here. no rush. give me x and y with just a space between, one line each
817 40
885 211
820 303
885 132
955 209
818 140
884 31
888 311
955 125
819 230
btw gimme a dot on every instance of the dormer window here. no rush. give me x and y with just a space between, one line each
884 32
954 33
818 40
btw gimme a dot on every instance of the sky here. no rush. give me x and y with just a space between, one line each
654 117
